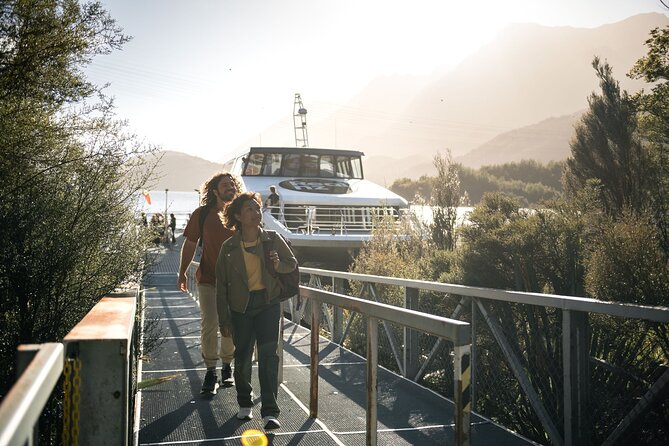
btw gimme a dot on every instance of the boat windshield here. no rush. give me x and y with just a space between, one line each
303 165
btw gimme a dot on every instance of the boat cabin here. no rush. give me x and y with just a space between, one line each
298 162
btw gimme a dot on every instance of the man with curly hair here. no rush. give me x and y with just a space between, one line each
205 226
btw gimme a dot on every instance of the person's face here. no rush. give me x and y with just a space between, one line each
226 189
250 214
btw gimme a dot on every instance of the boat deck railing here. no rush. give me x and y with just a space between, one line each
336 220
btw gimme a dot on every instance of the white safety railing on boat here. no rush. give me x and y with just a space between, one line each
308 219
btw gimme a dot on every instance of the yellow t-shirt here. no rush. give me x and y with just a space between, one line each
252 252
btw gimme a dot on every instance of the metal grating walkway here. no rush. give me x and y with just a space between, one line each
174 413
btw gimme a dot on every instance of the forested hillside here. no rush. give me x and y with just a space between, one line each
530 182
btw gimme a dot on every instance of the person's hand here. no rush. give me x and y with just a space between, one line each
182 283
226 331
274 257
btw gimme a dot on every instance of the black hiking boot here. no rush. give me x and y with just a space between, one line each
210 383
226 376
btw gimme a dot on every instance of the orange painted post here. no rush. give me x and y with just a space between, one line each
101 346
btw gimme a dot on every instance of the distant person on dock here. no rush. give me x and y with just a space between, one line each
157 228
173 227
248 302
273 202
205 226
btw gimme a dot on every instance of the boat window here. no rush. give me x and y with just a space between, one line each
298 164
309 165
356 168
327 166
238 166
343 167
272 165
349 167
254 164
227 166
291 165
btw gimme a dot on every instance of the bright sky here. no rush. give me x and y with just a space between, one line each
205 76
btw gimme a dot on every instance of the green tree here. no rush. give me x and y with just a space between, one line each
446 197
530 172
626 264
654 69
606 148
68 185
418 191
393 250
653 115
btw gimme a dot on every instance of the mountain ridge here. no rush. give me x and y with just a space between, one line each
515 98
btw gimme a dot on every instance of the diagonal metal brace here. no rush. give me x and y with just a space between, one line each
521 376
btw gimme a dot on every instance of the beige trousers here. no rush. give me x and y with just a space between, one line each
209 329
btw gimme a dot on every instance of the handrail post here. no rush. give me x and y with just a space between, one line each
462 380
315 330
411 348
372 378
337 312
575 363
472 362
102 344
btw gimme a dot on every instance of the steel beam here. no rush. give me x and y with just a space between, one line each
411 346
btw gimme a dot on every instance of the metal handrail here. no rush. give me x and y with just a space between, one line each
584 304
458 332
575 353
102 340
23 405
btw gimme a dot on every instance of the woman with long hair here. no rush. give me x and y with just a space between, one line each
247 302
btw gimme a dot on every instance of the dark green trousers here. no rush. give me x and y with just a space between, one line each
260 323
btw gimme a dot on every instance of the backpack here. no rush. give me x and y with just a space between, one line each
289 282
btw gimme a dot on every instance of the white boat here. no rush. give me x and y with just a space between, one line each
326 204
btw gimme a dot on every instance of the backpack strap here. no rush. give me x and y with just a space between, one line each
204 211
267 246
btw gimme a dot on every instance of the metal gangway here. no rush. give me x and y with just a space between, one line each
328 394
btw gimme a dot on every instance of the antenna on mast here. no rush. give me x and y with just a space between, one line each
300 123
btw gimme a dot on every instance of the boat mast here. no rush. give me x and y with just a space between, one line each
300 123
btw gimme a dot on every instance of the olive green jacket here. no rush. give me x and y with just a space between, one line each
232 290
